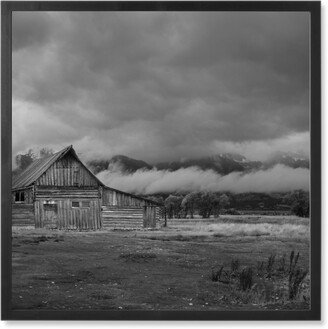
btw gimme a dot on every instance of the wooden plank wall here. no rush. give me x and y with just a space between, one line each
49 192
122 210
117 217
149 217
67 172
71 218
22 214
116 198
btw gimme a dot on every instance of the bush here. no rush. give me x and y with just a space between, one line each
216 274
300 204
232 211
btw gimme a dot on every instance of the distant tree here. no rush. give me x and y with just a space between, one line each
45 152
261 205
216 204
206 201
224 201
24 160
173 206
188 204
221 201
299 203
158 199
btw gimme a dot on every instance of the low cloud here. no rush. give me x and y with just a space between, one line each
277 179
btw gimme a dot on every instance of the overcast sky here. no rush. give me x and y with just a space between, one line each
161 86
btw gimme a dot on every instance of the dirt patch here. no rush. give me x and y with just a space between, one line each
137 257
155 270
38 239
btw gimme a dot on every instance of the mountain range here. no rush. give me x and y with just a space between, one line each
223 163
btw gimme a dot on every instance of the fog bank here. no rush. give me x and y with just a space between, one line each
277 179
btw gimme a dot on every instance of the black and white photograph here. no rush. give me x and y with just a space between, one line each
161 161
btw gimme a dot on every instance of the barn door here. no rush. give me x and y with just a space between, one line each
84 214
50 219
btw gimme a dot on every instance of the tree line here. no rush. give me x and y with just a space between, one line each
207 204
22 161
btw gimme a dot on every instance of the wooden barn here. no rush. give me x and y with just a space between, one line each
59 191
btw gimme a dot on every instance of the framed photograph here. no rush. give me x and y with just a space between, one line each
161 160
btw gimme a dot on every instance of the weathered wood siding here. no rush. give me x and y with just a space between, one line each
54 208
50 192
112 197
124 211
149 216
67 172
116 217
22 214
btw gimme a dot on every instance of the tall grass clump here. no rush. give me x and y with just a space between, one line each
246 278
235 264
282 264
296 276
216 274
270 265
260 268
272 281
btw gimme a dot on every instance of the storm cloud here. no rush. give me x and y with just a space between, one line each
161 86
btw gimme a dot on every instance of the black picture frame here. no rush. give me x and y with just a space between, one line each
7 8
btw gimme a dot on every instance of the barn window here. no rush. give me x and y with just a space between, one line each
75 204
19 197
50 207
85 204
76 177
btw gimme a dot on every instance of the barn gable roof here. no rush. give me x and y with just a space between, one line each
40 166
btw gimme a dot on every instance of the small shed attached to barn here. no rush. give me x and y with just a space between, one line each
59 191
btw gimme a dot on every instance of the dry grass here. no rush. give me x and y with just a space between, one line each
235 226
285 230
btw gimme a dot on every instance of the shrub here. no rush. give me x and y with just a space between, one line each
232 211
216 274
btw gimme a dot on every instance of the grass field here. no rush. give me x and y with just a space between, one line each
167 269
